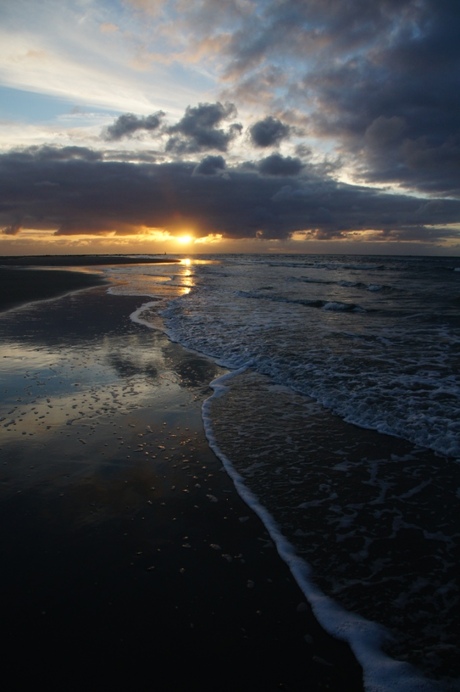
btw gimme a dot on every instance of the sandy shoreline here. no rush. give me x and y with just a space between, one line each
20 286
128 554
80 260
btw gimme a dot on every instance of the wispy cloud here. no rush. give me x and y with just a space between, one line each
66 50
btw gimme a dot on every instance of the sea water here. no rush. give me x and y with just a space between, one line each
339 422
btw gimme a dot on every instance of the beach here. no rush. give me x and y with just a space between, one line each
128 556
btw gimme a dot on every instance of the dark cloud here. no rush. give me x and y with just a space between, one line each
268 132
210 165
380 80
398 109
280 165
399 124
128 123
198 130
95 196
36 155
12 229
317 30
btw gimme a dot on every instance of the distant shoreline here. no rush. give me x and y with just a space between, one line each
22 286
21 283
79 260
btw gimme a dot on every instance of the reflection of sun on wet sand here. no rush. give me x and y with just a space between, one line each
127 555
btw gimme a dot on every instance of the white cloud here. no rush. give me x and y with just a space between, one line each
64 50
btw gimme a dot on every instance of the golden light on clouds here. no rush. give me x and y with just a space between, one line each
141 239
211 238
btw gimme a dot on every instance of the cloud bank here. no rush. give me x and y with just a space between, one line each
75 191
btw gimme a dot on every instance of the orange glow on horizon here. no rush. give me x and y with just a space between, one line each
150 240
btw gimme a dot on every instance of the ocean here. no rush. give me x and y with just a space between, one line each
339 422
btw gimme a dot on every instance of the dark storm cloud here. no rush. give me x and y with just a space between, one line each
210 165
91 195
199 129
128 123
268 132
280 165
313 28
398 114
380 78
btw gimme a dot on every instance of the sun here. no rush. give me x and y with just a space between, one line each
184 239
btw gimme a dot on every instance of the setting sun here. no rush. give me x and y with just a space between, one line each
184 239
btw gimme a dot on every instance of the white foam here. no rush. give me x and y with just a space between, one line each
136 315
374 372
381 673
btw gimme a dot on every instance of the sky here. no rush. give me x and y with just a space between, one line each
198 126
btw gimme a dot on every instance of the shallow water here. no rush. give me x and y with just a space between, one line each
370 514
343 423
340 424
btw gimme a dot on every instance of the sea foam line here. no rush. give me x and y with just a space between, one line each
381 673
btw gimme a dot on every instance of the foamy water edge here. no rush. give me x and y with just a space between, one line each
381 673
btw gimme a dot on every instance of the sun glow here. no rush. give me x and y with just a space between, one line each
184 239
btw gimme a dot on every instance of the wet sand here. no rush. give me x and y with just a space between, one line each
20 286
80 260
128 558
21 281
